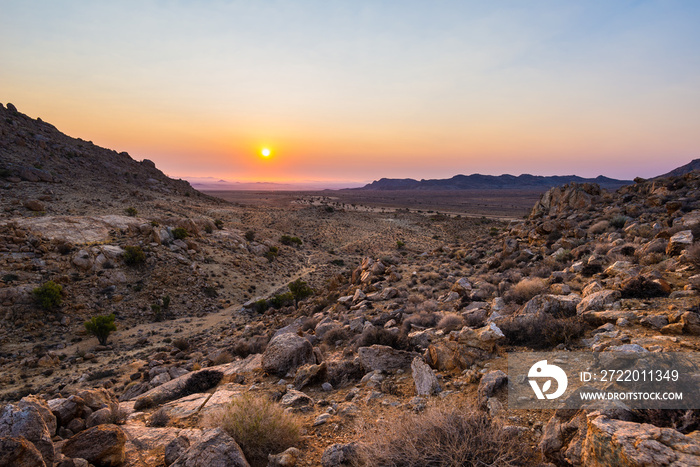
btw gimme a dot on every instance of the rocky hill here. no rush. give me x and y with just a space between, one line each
303 335
693 165
490 182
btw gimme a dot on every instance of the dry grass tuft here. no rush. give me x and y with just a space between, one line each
524 290
259 426
443 436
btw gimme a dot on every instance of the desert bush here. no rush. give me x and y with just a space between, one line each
283 299
300 290
653 258
592 268
250 235
290 241
208 229
443 436
9 277
343 372
219 224
451 322
181 344
335 335
49 295
253 345
564 256
598 227
101 327
180 233
201 381
421 320
376 335
524 290
642 287
159 418
259 426
210 291
131 211
541 330
400 244
222 358
618 222
157 312
134 255
260 306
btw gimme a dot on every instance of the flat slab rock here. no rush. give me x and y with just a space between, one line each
78 229
385 358
146 445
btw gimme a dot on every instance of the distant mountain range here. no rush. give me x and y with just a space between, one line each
213 184
491 182
682 170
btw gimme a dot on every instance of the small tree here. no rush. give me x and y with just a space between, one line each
48 296
134 255
300 290
101 326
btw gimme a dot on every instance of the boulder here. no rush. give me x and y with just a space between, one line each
101 445
34 205
451 355
489 384
296 399
43 409
99 417
27 421
484 338
598 301
425 380
384 358
309 374
611 442
215 449
196 381
286 352
679 242
288 458
18 452
67 409
339 455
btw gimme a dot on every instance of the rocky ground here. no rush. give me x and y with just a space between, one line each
400 348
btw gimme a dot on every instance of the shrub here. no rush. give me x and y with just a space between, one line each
400 244
157 312
253 345
283 299
250 235
272 253
131 211
300 290
48 295
541 330
290 241
451 322
7 278
180 233
208 228
443 436
598 228
524 290
618 222
219 224
261 306
210 291
100 327
376 335
259 426
159 418
181 343
134 255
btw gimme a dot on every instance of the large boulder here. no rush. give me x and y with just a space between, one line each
679 242
286 352
215 449
338 455
18 452
27 421
66 409
385 358
620 443
598 301
560 200
190 383
559 306
102 445
425 380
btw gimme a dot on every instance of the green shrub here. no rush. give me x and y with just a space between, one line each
101 326
618 222
157 312
219 224
290 241
272 253
210 291
48 295
284 299
400 244
7 278
180 233
261 306
250 235
300 290
259 426
134 255
208 229
131 211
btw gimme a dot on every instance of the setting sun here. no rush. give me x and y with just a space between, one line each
265 152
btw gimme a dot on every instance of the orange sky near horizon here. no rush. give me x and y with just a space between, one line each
365 91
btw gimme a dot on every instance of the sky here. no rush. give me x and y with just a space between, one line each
342 91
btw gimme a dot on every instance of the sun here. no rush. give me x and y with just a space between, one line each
265 152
